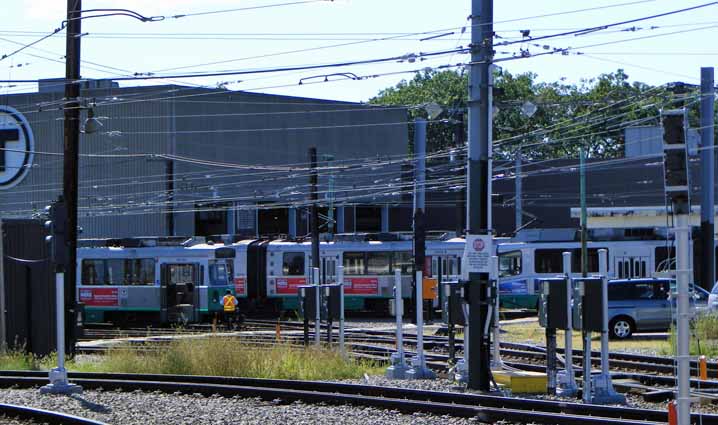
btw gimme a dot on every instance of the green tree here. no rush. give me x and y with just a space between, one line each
592 113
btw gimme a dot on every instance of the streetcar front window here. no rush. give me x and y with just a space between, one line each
293 264
510 264
218 273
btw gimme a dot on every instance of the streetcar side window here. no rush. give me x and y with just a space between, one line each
548 260
140 271
120 272
378 263
293 264
510 264
592 259
403 261
93 272
354 263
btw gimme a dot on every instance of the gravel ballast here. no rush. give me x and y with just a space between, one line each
157 408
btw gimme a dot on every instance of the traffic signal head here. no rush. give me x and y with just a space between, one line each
57 238
675 159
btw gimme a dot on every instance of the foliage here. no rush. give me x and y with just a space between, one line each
704 339
591 114
19 360
213 356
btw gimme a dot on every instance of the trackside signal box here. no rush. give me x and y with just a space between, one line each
553 303
307 301
588 304
331 302
453 300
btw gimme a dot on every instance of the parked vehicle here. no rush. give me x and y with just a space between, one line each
713 299
646 305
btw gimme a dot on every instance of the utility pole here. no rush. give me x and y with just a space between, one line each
419 202
314 224
677 187
314 217
707 177
71 144
330 198
418 363
587 381
453 158
480 110
518 205
584 231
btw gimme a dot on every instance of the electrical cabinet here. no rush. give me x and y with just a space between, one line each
453 301
307 301
553 303
331 302
588 304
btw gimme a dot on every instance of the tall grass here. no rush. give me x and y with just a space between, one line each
18 360
218 357
704 337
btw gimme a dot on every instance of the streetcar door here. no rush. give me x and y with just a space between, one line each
328 273
179 283
631 267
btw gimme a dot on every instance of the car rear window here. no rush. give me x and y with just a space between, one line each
638 290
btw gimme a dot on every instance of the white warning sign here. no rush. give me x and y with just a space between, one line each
477 254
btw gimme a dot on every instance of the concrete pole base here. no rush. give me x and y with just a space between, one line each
603 392
419 370
566 387
461 372
398 368
59 384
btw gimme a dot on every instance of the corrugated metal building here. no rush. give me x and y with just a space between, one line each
184 161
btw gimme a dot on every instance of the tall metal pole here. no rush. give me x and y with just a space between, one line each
603 271
569 387
587 382
314 218
330 198
584 231
459 133
518 209
683 271
71 157
340 281
419 203
482 34
707 177
496 362
314 223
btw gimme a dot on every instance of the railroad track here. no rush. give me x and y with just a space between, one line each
486 408
44 416
437 346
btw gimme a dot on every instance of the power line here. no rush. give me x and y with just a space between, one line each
242 9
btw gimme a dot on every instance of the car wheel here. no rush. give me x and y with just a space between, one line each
621 328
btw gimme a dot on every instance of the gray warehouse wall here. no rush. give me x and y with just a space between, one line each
125 193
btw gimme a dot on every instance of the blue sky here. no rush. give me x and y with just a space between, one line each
261 38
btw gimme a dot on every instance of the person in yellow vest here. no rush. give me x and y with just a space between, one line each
229 303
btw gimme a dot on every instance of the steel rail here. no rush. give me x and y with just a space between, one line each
45 416
488 408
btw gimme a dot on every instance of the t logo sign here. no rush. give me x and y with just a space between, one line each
17 147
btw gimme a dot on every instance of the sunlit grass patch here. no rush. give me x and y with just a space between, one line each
216 357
